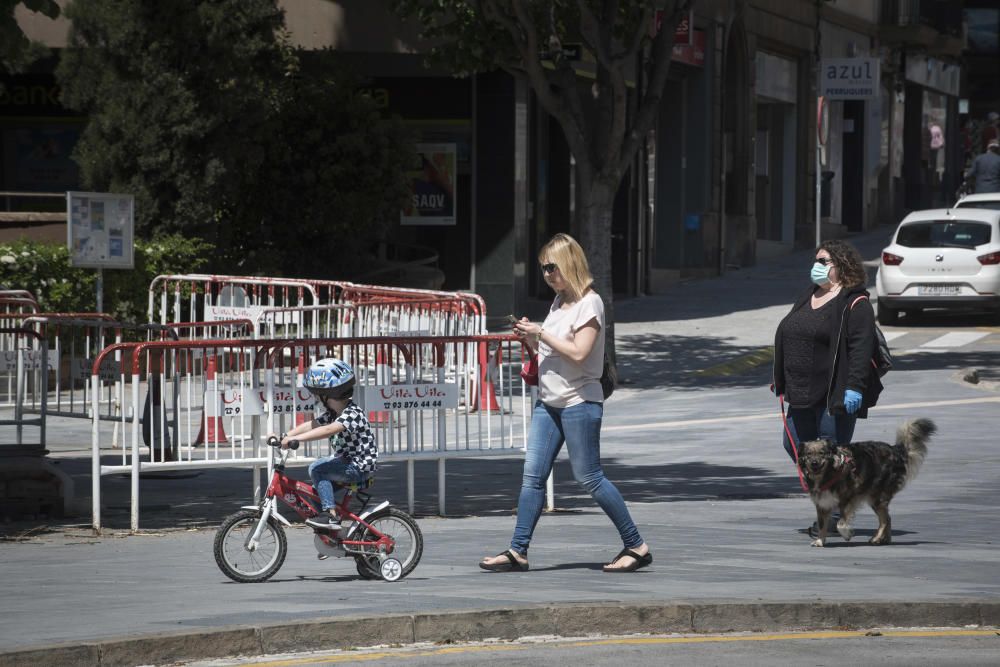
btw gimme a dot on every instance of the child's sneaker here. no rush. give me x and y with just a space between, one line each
324 521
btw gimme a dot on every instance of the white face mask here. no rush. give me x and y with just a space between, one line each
820 273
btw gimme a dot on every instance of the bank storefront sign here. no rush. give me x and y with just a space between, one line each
849 78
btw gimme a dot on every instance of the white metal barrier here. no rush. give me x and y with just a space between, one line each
73 341
201 297
14 305
418 392
20 364
337 320
184 297
297 308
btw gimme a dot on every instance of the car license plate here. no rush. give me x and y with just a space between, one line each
938 290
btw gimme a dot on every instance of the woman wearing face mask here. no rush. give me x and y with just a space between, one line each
823 351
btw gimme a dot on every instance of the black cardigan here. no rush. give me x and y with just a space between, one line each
852 346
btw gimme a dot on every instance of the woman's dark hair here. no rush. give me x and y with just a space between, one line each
848 261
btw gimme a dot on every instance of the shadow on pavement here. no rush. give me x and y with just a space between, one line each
647 361
770 283
485 487
730 294
925 361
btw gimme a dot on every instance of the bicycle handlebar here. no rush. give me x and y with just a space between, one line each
275 442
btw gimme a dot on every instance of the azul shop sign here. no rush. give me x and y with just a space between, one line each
849 78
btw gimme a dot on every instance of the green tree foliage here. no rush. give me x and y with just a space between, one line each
176 92
44 270
16 50
603 126
204 111
332 181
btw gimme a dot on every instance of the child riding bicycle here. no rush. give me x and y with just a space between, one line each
355 453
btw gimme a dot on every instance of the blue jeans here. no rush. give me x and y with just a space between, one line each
579 426
816 423
327 470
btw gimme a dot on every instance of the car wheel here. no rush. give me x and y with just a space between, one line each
887 316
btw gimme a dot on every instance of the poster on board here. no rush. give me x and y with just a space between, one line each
100 230
432 186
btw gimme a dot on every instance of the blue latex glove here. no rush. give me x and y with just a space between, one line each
852 401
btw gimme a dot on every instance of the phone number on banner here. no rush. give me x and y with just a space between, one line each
412 396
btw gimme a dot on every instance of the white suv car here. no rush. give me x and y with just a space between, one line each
941 258
989 200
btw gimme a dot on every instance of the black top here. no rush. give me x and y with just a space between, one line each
851 344
806 343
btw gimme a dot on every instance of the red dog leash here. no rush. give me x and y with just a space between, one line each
795 450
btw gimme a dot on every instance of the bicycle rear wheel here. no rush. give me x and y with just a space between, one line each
240 564
404 531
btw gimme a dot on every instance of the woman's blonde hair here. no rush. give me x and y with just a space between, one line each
563 251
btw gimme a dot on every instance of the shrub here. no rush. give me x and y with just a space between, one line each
44 270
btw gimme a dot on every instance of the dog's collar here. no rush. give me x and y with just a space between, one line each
841 460
841 463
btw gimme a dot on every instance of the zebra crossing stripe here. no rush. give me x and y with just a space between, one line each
893 335
955 339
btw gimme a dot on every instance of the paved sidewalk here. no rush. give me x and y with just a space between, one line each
697 456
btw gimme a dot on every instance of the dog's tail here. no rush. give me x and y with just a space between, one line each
913 436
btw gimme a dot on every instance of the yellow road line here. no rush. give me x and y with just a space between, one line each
831 634
623 641
740 364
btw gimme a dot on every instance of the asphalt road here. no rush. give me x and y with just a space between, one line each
905 648
692 439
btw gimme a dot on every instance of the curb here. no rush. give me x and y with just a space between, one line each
504 623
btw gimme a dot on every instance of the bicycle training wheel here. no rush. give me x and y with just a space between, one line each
240 564
404 531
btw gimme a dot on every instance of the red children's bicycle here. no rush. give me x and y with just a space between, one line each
250 545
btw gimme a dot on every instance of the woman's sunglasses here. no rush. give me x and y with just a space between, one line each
549 268
824 260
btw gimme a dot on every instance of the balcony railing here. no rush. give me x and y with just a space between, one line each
945 16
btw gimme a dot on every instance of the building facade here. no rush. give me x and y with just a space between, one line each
745 162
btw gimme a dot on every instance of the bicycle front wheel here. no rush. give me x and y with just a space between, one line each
238 562
405 533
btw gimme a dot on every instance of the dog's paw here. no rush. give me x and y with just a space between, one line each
817 543
845 529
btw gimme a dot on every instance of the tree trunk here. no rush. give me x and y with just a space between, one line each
595 205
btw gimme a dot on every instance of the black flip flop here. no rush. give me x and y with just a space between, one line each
640 561
513 564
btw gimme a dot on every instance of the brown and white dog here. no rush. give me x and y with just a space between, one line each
844 476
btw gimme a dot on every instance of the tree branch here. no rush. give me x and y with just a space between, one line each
661 57
633 45
590 31
564 106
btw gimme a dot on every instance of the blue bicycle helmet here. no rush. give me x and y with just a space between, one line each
330 378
